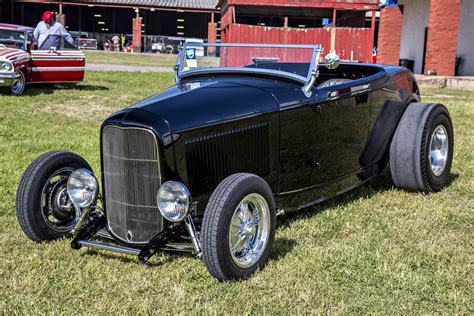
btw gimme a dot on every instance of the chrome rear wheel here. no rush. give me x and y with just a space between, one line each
439 148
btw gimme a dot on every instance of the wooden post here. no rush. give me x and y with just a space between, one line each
211 35
333 40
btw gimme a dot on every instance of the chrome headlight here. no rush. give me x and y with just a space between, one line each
6 66
173 200
82 188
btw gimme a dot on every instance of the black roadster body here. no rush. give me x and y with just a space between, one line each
238 147
212 126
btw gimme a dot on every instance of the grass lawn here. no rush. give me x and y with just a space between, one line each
374 250
117 58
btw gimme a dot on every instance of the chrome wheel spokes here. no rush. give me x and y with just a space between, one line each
439 145
19 86
57 209
249 230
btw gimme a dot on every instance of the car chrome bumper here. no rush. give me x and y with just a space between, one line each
8 79
163 240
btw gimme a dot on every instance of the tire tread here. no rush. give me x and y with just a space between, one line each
214 221
25 211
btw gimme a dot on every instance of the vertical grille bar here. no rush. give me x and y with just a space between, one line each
131 180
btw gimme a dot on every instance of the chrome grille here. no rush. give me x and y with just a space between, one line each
131 181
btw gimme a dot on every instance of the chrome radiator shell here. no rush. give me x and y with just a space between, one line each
131 179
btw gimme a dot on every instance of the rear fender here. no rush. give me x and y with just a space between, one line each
375 154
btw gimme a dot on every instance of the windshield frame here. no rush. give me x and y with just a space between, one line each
180 74
25 40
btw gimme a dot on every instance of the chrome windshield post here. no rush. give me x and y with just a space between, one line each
314 72
177 66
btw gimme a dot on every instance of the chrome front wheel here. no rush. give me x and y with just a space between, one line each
56 207
43 207
249 230
19 87
238 227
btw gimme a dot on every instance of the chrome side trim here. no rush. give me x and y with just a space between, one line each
58 69
45 58
70 81
17 61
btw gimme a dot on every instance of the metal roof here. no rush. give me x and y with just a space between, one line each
179 4
16 27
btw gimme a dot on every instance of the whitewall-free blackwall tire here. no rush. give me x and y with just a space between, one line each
421 152
238 227
43 207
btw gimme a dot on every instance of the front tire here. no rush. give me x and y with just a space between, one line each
43 207
19 87
238 227
421 152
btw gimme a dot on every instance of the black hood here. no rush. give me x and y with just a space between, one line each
206 102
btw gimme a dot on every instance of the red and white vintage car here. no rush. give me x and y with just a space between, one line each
21 64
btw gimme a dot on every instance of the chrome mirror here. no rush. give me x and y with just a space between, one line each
53 49
331 61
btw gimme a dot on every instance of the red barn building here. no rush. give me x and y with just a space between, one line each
303 22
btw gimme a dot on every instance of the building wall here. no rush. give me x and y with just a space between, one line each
466 38
389 42
415 20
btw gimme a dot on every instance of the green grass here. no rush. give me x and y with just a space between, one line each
374 250
117 58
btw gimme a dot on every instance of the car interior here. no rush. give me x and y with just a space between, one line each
344 71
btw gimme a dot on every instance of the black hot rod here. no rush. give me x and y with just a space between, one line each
247 133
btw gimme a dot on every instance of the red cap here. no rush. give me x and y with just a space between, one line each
47 15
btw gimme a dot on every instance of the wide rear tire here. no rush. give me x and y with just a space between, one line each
43 207
421 152
238 227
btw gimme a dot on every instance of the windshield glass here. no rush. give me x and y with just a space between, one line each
293 61
12 39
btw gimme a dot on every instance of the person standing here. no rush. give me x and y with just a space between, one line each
116 41
123 40
48 33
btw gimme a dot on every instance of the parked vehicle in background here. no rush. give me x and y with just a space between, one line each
86 43
158 47
207 165
22 65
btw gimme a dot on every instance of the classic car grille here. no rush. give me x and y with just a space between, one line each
211 158
131 181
